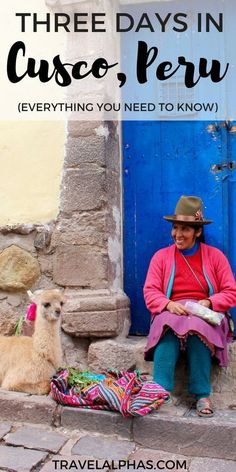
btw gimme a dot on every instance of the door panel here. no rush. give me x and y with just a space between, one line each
231 161
162 161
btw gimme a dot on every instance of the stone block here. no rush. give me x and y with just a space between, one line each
103 422
82 128
75 351
223 379
80 236
45 283
46 264
79 267
95 300
99 324
42 238
103 448
85 228
113 151
224 400
8 319
18 459
139 343
232 351
118 354
18 229
25 242
75 435
4 429
83 189
36 438
14 299
214 465
84 150
18 269
96 314
21 407
75 296
202 437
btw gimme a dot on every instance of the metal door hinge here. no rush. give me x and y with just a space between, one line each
224 165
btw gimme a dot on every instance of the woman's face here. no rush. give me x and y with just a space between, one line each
184 236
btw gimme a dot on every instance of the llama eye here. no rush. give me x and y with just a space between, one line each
61 303
47 305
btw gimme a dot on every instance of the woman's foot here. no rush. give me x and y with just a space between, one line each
204 407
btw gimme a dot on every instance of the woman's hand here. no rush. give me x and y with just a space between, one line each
206 303
176 308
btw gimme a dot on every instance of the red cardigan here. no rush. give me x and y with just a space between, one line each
215 267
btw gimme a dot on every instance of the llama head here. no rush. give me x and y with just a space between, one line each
49 303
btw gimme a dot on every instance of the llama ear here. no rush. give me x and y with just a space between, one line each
30 295
39 291
33 296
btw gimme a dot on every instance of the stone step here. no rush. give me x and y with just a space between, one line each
119 353
174 429
23 407
189 435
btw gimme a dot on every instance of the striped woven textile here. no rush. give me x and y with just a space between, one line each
125 392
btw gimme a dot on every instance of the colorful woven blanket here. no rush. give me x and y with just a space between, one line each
125 392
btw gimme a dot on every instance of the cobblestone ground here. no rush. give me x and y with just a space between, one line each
30 447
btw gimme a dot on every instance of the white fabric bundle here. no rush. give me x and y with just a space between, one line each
212 317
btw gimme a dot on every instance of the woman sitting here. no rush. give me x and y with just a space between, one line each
188 270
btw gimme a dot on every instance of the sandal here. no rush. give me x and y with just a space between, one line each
204 404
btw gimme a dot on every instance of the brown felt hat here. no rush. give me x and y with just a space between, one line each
189 210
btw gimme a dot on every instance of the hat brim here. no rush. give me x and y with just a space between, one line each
186 221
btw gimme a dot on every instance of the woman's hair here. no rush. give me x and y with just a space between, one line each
200 238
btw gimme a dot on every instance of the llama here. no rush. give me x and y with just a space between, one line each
26 364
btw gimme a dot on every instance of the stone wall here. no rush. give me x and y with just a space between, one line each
25 262
86 240
79 252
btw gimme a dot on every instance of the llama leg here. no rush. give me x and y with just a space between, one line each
9 383
39 388
12 381
42 388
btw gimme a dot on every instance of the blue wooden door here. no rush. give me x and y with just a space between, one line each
161 162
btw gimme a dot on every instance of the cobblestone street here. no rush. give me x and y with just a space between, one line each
38 448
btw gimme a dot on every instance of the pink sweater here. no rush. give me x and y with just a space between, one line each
215 266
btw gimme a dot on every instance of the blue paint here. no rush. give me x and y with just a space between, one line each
161 162
171 281
211 290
